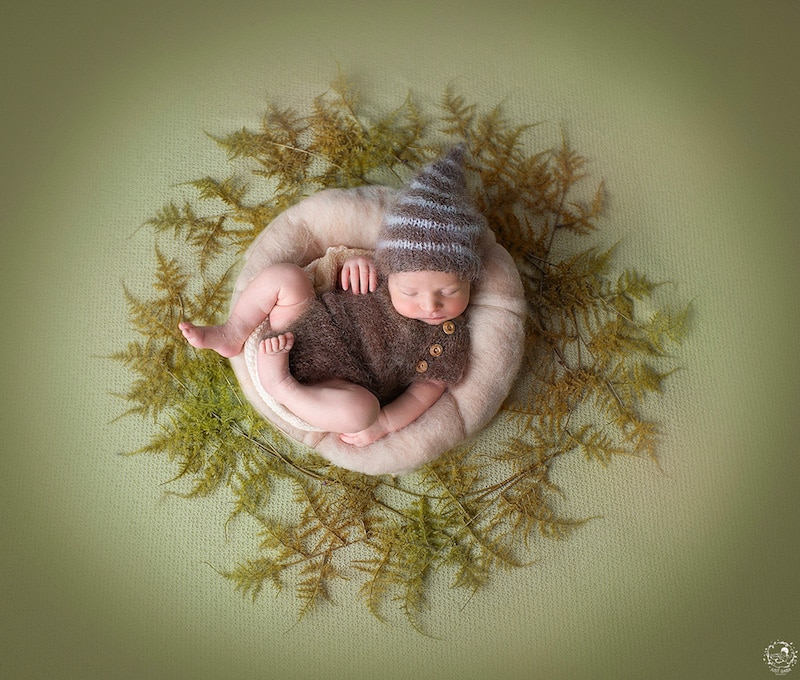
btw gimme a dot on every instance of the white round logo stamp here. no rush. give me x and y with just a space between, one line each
780 656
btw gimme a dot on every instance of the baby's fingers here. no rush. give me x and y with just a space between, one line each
359 277
344 277
351 279
368 278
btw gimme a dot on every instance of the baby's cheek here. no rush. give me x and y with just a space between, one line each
405 308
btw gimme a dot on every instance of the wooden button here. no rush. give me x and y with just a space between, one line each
436 350
422 366
449 327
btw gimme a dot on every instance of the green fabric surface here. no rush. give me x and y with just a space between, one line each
689 113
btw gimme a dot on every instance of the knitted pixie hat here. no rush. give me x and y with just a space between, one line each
433 224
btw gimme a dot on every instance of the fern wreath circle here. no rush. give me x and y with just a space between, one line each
591 359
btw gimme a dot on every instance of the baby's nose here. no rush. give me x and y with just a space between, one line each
431 303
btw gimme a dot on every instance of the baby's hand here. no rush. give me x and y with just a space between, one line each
372 434
359 275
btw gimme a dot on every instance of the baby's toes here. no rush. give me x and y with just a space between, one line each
287 341
277 344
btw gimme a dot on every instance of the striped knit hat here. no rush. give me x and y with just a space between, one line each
433 224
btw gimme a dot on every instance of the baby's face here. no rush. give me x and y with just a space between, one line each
429 296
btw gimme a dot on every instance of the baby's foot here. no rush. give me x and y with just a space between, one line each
273 362
218 338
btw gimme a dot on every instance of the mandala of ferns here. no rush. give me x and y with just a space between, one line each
590 361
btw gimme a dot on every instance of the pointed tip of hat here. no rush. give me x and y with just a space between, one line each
450 161
457 153
433 223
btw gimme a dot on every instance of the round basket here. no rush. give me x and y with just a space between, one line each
332 218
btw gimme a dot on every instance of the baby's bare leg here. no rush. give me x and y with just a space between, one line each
278 292
334 406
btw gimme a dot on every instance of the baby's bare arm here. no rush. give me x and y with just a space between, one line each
404 410
359 275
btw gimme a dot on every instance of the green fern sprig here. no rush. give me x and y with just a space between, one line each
250 577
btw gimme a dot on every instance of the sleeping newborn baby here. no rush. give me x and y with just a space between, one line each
370 357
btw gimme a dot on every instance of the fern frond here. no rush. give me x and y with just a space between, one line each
314 588
472 567
228 191
459 116
598 445
250 577
210 302
667 326
635 382
641 434
251 487
634 284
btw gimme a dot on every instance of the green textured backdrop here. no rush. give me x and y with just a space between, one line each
688 111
